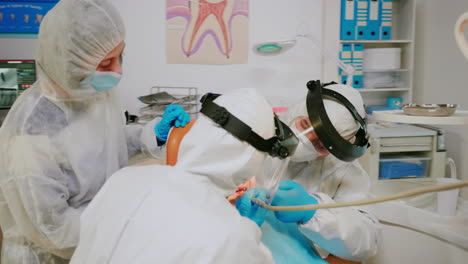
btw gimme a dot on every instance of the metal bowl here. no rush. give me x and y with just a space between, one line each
429 109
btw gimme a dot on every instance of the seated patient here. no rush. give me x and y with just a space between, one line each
180 214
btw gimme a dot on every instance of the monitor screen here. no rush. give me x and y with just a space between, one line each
15 77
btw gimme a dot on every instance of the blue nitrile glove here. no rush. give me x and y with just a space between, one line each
249 208
174 115
292 193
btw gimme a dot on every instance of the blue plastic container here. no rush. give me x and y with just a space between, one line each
403 168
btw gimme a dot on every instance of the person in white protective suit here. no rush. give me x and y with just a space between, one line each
316 176
180 214
65 135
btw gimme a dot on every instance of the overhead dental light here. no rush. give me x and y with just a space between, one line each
272 48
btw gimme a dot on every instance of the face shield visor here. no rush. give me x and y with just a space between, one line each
318 133
310 146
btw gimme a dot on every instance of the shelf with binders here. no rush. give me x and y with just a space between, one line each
385 67
398 79
390 43
377 21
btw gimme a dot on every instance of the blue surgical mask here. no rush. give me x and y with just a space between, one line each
103 81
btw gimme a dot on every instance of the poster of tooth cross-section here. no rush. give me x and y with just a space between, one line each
207 31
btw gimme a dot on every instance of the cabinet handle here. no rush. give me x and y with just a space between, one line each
405 145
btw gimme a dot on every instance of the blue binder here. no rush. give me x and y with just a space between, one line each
358 52
386 19
346 56
373 21
348 20
362 12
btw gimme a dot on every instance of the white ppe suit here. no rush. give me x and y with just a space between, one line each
180 214
62 139
349 232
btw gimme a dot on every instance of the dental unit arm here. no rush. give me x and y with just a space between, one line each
400 195
347 68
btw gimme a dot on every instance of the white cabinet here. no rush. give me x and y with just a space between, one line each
401 150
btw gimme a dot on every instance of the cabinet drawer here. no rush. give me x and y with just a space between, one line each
404 144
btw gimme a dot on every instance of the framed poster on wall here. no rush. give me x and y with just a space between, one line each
23 18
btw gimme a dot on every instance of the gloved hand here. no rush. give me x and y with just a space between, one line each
174 115
292 193
249 208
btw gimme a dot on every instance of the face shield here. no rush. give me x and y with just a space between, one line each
317 133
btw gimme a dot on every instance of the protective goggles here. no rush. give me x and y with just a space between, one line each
325 131
282 145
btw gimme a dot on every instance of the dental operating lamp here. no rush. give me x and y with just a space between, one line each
278 47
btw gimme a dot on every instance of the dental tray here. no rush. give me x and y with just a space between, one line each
161 98
429 109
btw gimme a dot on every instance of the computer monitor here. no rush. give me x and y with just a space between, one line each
15 77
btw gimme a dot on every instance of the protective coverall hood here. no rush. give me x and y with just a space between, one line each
74 38
211 151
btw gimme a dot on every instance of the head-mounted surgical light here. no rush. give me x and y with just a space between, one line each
340 147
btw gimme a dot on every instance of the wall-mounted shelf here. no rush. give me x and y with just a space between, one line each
387 70
404 41
384 90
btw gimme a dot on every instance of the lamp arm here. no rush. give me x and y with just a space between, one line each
347 68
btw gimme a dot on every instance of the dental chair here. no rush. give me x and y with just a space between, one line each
173 142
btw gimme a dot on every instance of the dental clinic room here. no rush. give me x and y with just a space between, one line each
233 131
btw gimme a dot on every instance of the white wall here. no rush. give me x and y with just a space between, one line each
277 77
281 78
441 71
17 48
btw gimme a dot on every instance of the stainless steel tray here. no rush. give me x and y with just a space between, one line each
429 109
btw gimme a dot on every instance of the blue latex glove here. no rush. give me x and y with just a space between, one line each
174 115
249 208
292 193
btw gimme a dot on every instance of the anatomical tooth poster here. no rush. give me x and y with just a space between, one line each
207 31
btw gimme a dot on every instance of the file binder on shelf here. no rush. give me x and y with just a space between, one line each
386 14
346 56
348 20
362 14
373 21
358 52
